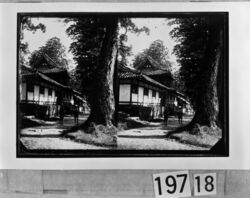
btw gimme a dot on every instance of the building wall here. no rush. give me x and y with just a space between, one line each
149 96
146 99
157 97
107 183
23 90
36 93
54 95
30 95
41 101
134 97
124 94
46 96
140 94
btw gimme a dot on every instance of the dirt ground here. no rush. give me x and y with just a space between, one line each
49 136
150 137
153 137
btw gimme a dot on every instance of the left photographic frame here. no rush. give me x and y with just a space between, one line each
122 84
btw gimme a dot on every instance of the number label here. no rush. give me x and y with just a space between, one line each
205 184
172 184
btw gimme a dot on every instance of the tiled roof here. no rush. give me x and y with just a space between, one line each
154 65
51 70
155 72
157 65
156 83
27 71
48 79
127 73
80 98
183 99
49 66
77 92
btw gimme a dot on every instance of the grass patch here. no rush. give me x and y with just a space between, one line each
102 140
205 140
99 135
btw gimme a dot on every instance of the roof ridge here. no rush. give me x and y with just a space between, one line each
46 56
159 65
48 78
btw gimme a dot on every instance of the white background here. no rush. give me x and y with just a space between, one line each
239 77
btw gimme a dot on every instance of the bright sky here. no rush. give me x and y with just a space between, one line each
158 30
56 28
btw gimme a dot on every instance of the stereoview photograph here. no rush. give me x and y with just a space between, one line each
112 84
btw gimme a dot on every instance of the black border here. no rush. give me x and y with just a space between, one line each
221 149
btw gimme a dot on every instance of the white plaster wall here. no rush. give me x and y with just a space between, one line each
140 94
150 100
23 89
53 95
36 92
157 97
134 97
46 94
154 100
41 100
50 98
124 94
30 95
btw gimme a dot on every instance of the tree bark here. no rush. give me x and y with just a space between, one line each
101 100
207 102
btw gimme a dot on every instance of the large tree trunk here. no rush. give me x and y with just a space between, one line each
207 102
101 100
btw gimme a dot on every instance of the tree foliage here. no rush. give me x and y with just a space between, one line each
54 49
88 34
200 54
157 51
127 25
192 35
26 24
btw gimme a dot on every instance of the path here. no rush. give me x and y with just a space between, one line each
153 137
48 136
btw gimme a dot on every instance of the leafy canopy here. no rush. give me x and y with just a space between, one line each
54 49
192 35
88 34
158 52
26 24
